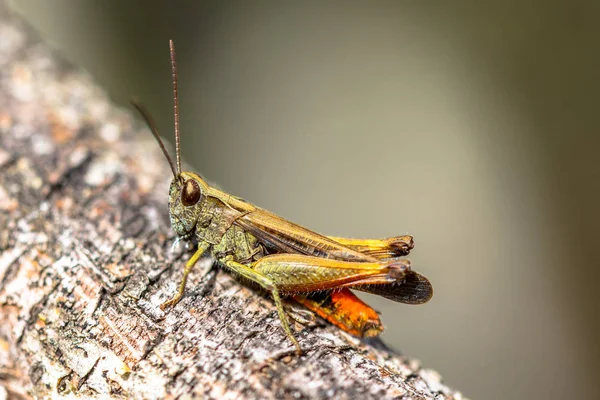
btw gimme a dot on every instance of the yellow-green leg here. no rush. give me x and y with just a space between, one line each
202 247
267 284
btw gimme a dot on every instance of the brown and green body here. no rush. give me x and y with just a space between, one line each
287 259
284 258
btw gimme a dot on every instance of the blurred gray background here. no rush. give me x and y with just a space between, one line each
473 127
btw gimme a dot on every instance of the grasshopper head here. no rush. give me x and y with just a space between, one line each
186 198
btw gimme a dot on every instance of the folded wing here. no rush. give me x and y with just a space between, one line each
414 289
283 236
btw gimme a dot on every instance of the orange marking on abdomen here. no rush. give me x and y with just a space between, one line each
346 311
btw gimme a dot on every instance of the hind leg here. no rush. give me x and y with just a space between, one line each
269 285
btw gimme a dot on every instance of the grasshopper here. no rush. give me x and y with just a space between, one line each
284 258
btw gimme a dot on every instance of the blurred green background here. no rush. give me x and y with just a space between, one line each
472 126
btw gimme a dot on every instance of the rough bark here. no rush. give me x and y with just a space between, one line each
85 261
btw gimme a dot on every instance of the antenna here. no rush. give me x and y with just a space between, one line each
175 106
152 125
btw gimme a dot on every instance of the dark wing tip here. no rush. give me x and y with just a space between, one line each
415 289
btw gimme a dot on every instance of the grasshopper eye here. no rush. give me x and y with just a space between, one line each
190 194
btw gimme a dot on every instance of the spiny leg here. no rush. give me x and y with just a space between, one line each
299 274
300 315
202 247
267 284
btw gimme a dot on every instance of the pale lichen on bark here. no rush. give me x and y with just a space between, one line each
85 262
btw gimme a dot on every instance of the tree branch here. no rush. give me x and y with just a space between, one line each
85 262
